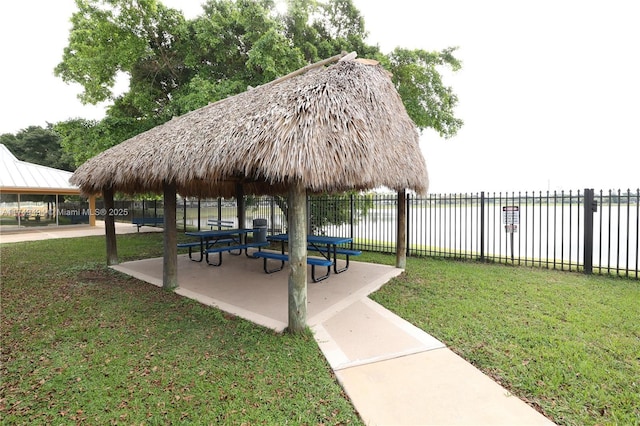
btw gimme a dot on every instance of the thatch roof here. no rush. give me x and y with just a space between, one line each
335 128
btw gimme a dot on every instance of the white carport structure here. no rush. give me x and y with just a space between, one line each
22 178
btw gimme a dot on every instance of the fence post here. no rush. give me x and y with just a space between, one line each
307 214
184 214
590 207
199 205
351 216
408 232
272 213
482 226
401 230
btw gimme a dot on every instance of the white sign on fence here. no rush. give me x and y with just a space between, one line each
511 218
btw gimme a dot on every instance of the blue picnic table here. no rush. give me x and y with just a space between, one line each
219 241
329 247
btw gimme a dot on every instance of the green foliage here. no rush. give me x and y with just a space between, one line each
321 30
85 138
176 65
337 209
138 37
81 138
416 74
334 209
39 146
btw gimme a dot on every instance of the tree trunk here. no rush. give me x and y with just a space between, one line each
110 227
170 240
401 243
297 259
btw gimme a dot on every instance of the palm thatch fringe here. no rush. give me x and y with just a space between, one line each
334 128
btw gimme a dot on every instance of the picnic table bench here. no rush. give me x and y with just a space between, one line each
329 247
283 257
219 223
192 244
213 241
151 221
233 247
336 250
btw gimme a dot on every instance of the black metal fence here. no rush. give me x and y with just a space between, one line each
575 231
571 231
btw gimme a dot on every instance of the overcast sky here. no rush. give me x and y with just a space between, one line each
549 90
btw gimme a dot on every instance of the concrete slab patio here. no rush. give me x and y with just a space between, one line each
241 287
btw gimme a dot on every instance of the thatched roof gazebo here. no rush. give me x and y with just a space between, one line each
320 129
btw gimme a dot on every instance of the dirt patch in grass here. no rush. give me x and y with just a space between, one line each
95 276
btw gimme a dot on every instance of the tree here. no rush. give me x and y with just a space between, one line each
176 65
39 146
321 30
336 209
81 138
233 45
138 38
417 78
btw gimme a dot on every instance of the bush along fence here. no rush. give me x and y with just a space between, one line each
589 231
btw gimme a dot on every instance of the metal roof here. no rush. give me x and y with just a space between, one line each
20 176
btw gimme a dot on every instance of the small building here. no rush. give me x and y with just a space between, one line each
36 195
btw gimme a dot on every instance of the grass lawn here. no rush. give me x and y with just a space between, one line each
567 343
82 344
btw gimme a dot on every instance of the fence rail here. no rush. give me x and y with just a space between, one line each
575 231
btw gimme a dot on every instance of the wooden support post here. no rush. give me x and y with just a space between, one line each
92 210
297 258
110 227
401 243
240 204
170 262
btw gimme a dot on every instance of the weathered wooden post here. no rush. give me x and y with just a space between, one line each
401 243
170 240
110 227
297 258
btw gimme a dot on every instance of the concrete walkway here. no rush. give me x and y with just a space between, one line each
393 372
38 233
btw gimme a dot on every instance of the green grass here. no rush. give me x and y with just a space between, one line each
82 344
567 343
